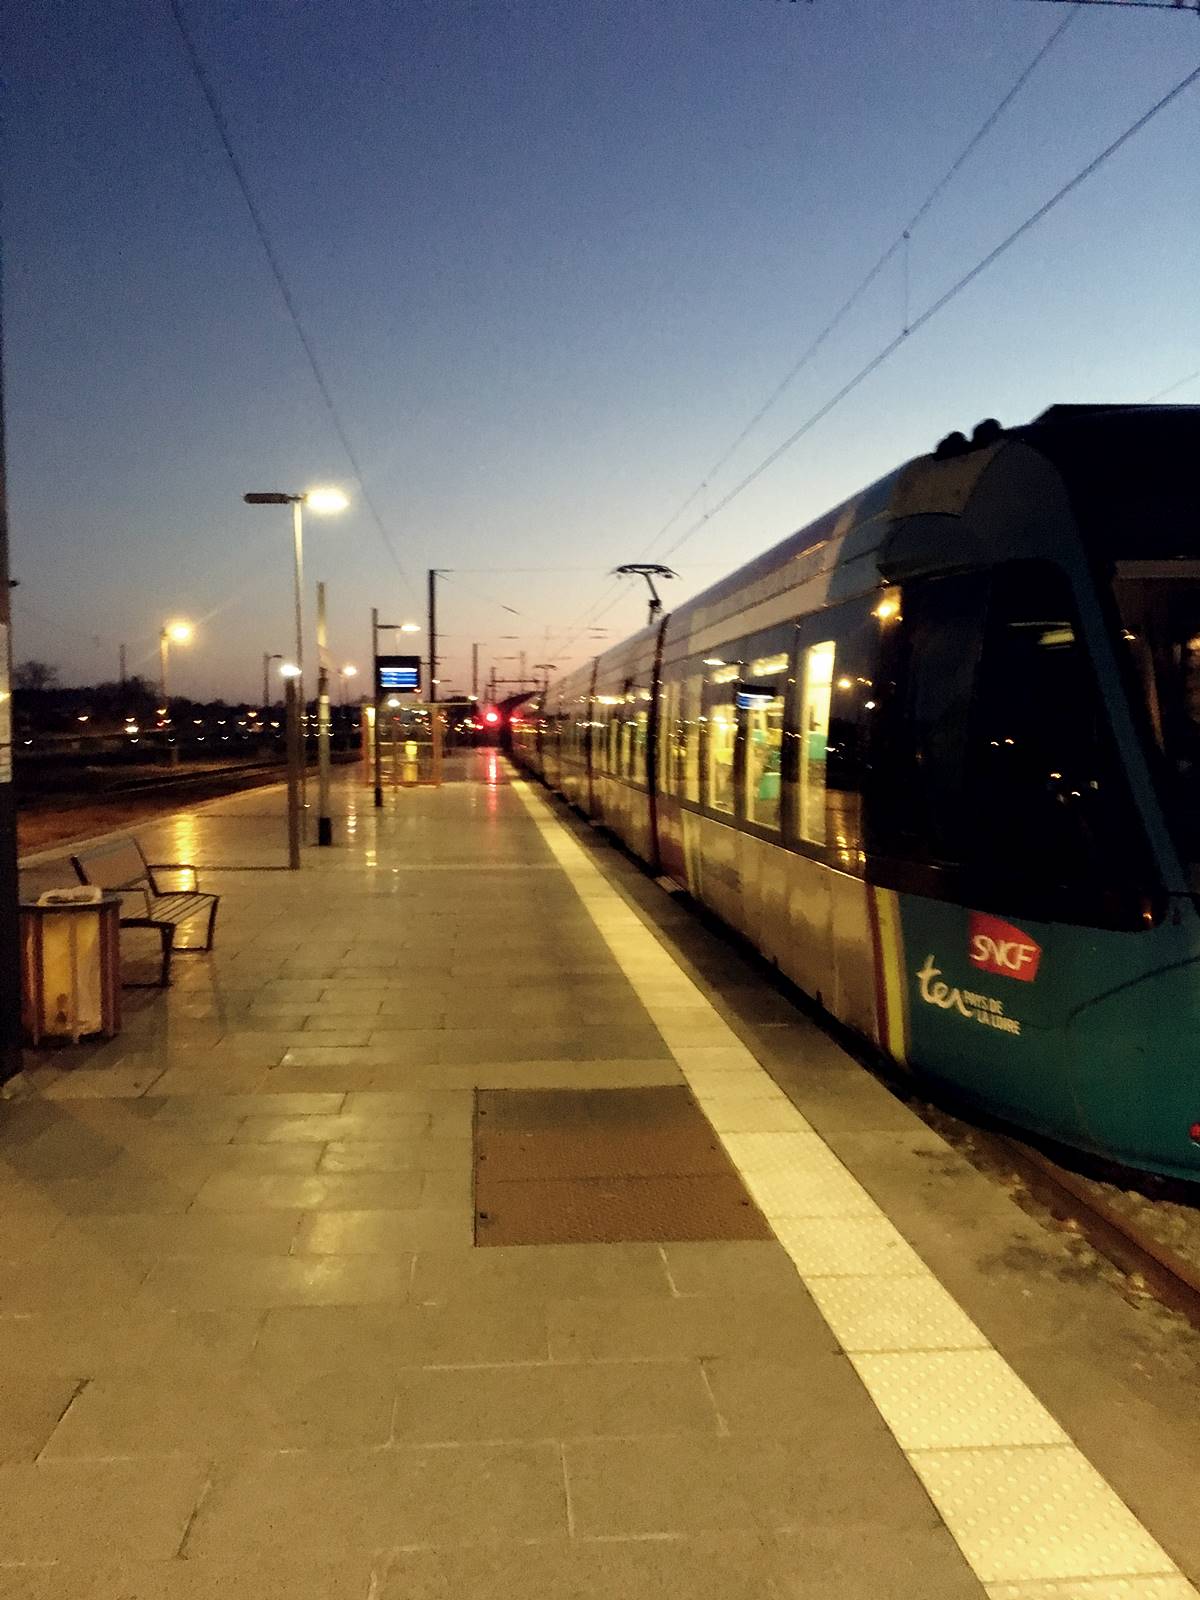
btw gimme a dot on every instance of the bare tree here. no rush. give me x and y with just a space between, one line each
35 676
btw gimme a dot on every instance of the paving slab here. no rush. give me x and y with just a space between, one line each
252 1348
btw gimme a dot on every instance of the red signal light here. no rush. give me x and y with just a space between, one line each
491 716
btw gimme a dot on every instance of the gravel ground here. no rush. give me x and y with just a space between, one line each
1159 1210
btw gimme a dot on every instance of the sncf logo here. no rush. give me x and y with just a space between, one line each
995 946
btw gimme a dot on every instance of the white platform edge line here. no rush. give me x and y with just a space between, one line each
594 889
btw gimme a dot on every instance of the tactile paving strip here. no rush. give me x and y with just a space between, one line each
1035 1521
1036 1513
914 1314
1171 1587
953 1399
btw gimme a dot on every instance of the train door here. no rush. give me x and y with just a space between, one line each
999 818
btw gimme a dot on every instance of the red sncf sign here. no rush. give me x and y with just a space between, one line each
995 946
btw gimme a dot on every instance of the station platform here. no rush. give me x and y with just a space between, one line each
476 1221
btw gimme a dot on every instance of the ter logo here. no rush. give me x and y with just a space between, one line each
995 946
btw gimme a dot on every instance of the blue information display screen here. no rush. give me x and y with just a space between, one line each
398 673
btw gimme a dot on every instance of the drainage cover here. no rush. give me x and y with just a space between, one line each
603 1166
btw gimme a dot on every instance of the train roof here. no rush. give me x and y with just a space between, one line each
1108 455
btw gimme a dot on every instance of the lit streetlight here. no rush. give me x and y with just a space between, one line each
346 673
177 632
325 501
170 633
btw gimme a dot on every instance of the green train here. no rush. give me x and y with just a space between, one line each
937 756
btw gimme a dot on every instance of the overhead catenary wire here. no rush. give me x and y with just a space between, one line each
900 245
272 257
608 599
1171 387
939 305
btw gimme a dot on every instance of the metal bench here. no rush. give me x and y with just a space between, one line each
120 866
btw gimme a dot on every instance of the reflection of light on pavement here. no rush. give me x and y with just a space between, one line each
186 837
493 768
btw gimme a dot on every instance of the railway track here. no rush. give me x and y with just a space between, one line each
46 820
1126 1218
1135 1246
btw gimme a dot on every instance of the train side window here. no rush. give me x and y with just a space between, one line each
599 731
690 750
639 719
854 699
720 742
932 636
668 711
761 699
1054 832
816 683
614 739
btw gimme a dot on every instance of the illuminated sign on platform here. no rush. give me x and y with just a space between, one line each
397 673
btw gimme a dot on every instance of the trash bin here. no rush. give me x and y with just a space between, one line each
71 965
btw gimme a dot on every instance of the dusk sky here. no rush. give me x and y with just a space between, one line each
552 254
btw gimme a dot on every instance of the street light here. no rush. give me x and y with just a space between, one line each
324 501
268 657
170 633
177 632
346 672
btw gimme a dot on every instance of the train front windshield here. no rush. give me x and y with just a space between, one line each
1159 604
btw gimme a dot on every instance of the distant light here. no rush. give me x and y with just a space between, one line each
845 683
326 500
179 632
887 608
82 718
289 669
491 716
410 627
349 670
393 701
713 661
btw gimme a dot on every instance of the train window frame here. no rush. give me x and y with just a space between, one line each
691 704
666 734
972 875
894 845
1103 808
854 632
719 693
767 659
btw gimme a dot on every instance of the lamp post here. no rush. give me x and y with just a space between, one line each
387 627
170 633
295 766
321 500
268 657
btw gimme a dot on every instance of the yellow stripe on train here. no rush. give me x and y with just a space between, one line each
891 961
